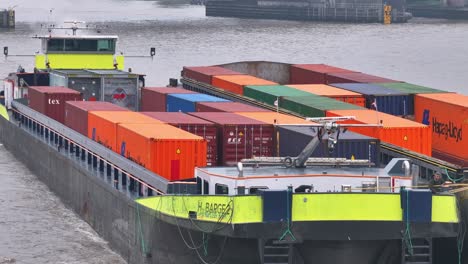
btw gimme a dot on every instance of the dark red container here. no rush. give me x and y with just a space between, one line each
240 137
50 100
76 113
204 74
153 99
312 73
227 107
356 77
194 125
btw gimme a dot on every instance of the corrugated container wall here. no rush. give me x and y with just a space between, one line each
205 129
227 107
356 77
395 130
154 98
332 92
292 140
447 116
385 99
50 101
163 149
187 102
102 125
239 137
235 83
204 74
269 94
411 88
76 113
313 105
312 73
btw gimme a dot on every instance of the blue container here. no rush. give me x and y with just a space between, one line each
187 102
388 100
293 139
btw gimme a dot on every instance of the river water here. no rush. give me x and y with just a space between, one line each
35 227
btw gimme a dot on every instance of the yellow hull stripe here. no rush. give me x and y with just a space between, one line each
4 113
79 61
306 207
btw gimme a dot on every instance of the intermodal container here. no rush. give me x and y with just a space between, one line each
102 125
312 73
332 92
188 102
383 99
235 83
313 105
447 116
76 113
200 127
50 100
240 137
356 77
204 74
166 150
394 130
411 88
154 98
270 94
350 145
227 107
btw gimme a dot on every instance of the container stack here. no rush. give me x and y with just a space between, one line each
313 73
332 92
50 100
155 98
236 83
187 102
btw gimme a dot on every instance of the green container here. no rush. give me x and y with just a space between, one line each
314 105
269 93
410 88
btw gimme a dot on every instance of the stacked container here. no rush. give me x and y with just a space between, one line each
313 105
270 94
235 83
102 125
394 130
447 116
293 139
383 99
76 113
410 88
163 149
356 77
196 126
312 73
205 74
227 107
155 98
332 92
187 102
239 137
50 100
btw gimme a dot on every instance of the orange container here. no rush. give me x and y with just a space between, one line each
275 118
332 92
102 125
395 130
447 115
236 83
166 150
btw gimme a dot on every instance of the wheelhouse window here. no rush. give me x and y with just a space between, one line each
81 45
221 189
254 190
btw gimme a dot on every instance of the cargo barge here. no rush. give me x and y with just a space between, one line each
338 11
265 209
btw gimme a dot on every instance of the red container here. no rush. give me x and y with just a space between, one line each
447 115
50 100
227 107
154 98
205 74
76 113
312 73
196 126
356 77
240 137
